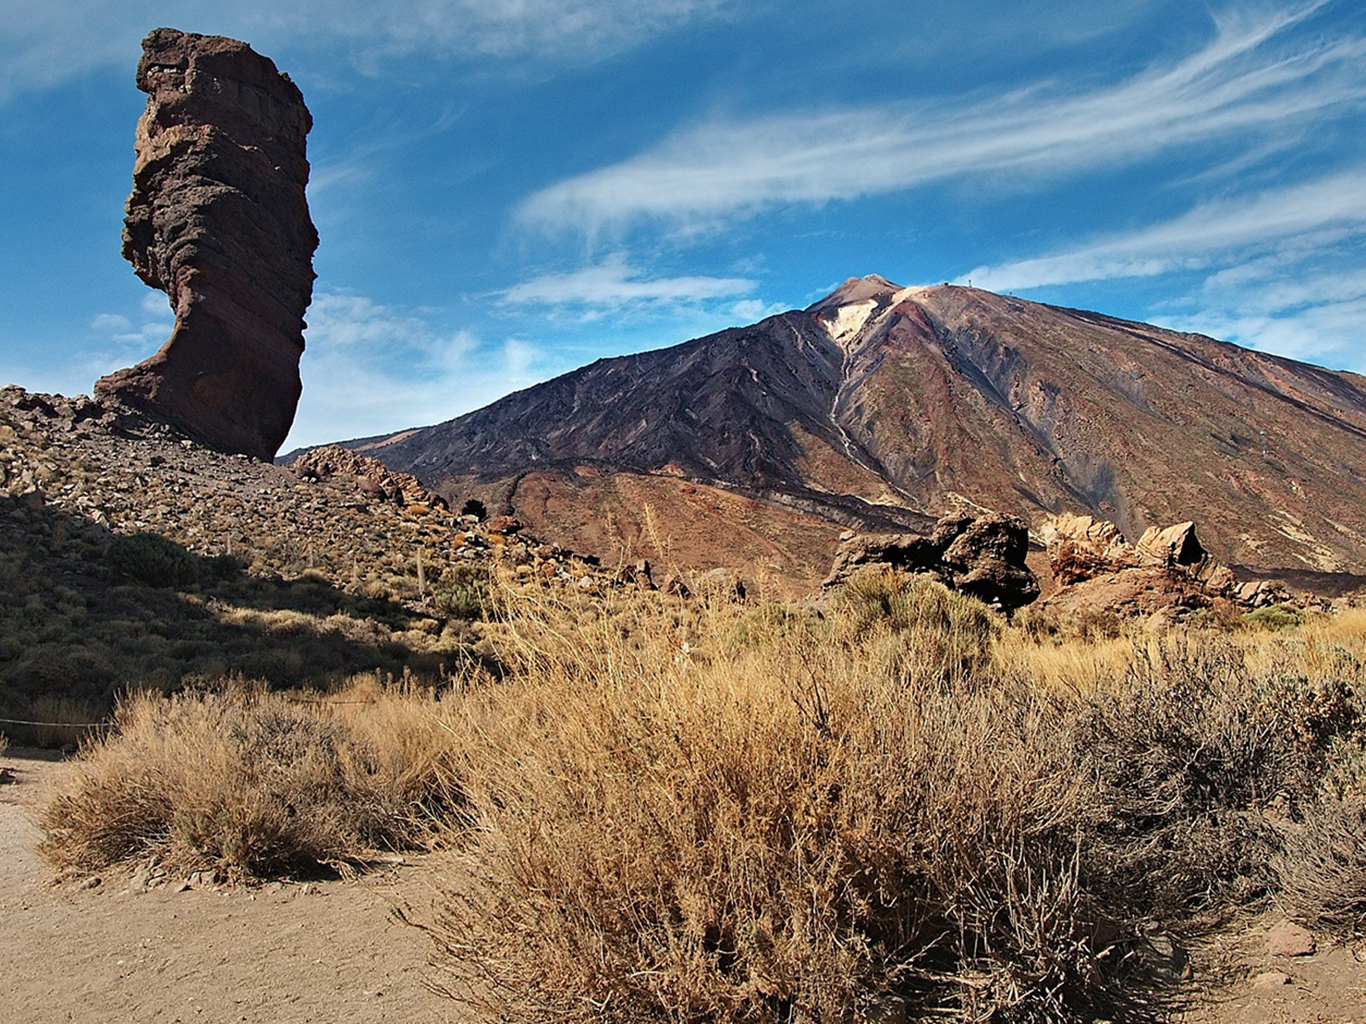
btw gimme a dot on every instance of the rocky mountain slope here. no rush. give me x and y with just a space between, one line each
879 406
132 556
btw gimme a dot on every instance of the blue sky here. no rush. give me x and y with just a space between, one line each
508 189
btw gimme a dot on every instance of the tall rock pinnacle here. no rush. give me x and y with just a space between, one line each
218 220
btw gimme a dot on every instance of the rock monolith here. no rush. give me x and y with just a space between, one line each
218 220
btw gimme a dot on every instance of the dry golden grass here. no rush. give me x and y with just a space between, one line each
708 811
717 813
250 782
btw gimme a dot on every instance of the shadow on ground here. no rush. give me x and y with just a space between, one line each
75 631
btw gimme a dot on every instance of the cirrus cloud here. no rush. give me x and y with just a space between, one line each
1238 85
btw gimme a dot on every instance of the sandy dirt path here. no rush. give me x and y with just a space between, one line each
331 953
278 954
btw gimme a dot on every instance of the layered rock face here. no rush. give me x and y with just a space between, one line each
218 220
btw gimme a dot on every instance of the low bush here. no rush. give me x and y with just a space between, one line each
1322 869
768 839
253 783
1276 616
936 634
465 591
151 560
1185 754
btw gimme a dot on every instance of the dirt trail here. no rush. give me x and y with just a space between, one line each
321 951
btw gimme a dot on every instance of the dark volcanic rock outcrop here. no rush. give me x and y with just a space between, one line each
218 220
982 555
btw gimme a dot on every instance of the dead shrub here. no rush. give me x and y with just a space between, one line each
1322 869
795 832
252 783
1186 755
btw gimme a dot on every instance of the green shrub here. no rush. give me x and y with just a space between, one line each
936 635
1276 616
151 560
223 568
465 591
755 627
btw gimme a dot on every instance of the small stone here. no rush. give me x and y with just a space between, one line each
1269 981
92 882
1289 939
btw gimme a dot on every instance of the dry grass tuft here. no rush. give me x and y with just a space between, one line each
252 783
1322 869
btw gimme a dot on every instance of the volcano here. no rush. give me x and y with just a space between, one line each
880 407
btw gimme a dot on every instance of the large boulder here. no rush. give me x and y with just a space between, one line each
218 220
980 555
1165 576
1172 545
1080 548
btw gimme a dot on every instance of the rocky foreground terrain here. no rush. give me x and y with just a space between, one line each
293 576
134 556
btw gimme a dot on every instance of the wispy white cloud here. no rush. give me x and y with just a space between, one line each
614 283
370 369
1306 216
1285 303
1239 84
46 43
1282 270
122 339
514 28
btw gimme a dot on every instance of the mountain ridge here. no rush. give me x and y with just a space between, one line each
879 407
